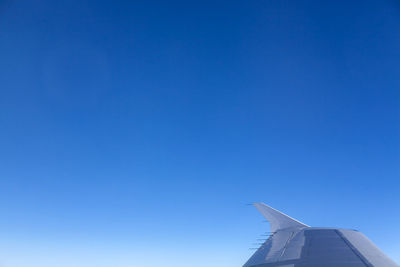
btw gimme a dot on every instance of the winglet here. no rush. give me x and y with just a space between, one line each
277 219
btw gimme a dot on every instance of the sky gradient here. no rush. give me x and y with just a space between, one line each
134 134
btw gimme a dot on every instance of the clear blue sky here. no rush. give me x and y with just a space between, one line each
133 133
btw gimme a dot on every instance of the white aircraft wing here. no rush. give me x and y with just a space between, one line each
294 244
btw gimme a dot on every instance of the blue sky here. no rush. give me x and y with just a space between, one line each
134 134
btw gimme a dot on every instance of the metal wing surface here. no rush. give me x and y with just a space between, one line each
294 244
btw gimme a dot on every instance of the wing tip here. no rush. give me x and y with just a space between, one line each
278 220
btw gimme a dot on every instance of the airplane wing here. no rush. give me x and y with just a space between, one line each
294 244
